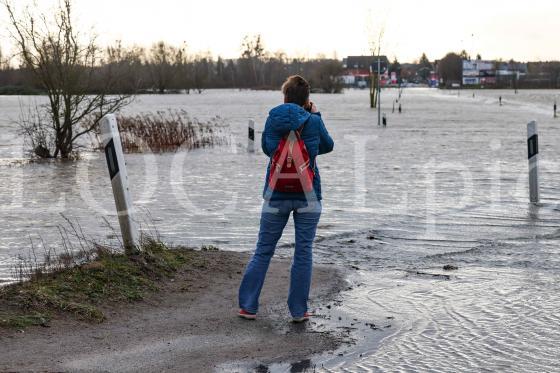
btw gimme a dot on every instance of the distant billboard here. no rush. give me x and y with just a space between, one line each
476 70
488 80
485 65
487 73
469 65
470 72
477 65
471 81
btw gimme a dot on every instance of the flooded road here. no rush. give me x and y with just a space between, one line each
444 183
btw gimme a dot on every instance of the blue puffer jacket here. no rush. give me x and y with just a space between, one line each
283 119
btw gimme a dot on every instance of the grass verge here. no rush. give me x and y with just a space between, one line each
82 290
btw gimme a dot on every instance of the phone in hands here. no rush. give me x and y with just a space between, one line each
309 107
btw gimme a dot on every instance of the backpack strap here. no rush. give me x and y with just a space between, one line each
300 129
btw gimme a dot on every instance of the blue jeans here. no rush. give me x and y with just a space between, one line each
275 215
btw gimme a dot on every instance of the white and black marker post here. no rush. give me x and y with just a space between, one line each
533 152
119 181
251 139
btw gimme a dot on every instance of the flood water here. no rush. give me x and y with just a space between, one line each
444 183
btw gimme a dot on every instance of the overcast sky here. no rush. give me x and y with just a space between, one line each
492 28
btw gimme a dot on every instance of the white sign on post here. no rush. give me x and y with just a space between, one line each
119 181
533 155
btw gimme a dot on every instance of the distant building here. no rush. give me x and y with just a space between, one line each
488 73
357 70
417 74
478 72
510 68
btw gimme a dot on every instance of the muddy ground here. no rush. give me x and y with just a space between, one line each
189 325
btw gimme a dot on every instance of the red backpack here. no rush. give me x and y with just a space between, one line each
290 171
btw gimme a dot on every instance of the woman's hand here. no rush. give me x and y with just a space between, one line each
313 108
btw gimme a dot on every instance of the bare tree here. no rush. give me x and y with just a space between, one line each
163 60
253 50
1 60
184 69
375 49
66 69
126 65
201 71
375 42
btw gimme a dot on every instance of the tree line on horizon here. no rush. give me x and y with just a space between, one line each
167 68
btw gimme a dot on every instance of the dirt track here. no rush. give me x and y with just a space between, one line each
190 325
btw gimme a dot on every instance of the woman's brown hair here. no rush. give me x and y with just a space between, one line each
296 90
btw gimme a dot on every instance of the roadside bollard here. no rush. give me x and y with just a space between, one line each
119 181
251 140
533 155
384 120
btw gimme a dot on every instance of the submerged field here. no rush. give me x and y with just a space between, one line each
444 183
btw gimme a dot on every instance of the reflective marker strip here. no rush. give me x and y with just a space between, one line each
533 145
111 156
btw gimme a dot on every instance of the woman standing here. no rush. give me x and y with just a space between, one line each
293 137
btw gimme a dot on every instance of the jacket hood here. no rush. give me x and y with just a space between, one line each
288 117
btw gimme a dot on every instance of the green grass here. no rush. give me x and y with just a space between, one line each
81 290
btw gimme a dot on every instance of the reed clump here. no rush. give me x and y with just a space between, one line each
170 131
